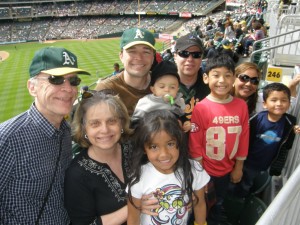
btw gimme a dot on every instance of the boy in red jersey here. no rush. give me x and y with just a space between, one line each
220 132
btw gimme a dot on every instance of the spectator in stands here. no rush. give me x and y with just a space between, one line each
218 36
263 27
209 23
271 137
173 43
227 48
237 29
262 6
96 180
137 55
221 23
198 32
188 58
229 32
210 50
36 145
244 28
116 69
256 35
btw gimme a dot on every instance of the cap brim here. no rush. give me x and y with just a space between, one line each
138 43
184 47
61 71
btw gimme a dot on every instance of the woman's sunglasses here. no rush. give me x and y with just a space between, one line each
58 80
186 54
245 78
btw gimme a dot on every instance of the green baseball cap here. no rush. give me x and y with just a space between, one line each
54 61
137 36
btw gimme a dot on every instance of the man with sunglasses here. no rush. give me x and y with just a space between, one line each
137 55
188 58
36 145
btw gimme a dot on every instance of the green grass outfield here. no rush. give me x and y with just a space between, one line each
95 56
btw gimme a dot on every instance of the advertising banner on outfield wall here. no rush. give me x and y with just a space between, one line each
185 15
165 36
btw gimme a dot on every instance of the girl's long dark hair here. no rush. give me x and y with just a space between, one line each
152 123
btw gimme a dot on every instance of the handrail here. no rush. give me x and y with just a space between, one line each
273 37
283 210
273 47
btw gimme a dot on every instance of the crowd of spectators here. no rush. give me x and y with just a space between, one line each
98 8
77 27
84 20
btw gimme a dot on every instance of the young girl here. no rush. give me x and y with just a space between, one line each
160 165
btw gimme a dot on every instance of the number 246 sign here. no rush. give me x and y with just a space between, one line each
274 74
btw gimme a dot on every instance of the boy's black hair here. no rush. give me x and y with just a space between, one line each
220 60
268 89
151 124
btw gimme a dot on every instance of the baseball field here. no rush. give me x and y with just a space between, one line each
96 56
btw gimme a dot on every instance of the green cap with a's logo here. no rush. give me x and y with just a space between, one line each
137 36
54 61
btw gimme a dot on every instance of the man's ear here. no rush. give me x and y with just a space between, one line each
121 56
205 78
31 86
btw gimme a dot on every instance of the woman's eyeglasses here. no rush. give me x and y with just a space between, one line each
58 80
245 78
186 54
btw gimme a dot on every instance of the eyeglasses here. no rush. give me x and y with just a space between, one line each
58 80
186 54
89 94
245 78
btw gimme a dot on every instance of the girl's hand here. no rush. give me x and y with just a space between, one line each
149 205
186 126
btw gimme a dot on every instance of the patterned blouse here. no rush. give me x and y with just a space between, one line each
92 189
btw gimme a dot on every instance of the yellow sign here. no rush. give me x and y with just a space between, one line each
274 74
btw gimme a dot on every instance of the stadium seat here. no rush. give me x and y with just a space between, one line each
244 211
261 182
233 207
252 211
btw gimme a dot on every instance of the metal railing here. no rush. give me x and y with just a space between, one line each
285 206
284 210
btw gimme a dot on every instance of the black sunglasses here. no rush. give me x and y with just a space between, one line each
58 80
89 94
245 78
186 54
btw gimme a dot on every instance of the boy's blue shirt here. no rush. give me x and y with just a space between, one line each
270 142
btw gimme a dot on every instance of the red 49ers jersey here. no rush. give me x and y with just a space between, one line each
219 134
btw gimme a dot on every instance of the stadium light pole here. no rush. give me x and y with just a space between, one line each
139 14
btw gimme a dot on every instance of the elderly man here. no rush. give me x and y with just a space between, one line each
36 145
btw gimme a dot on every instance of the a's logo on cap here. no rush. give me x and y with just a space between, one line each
68 60
139 34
